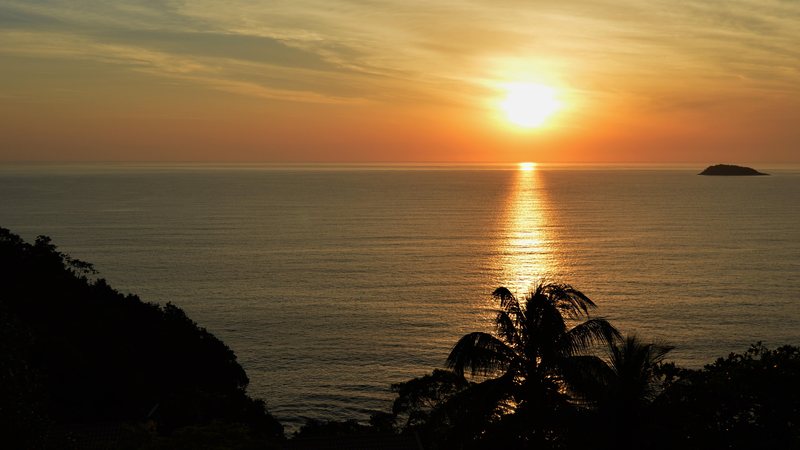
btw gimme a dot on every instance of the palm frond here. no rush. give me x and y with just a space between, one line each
502 294
479 404
633 363
548 321
572 302
481 353
507 300
658 351
510 315
586 376
514 309
508 328
586 334
632 356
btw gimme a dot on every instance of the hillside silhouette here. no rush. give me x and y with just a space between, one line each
76 352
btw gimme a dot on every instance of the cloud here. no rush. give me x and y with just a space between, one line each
394 51
225 46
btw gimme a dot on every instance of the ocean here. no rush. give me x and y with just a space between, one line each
331 282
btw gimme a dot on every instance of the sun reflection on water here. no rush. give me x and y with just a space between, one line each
526 247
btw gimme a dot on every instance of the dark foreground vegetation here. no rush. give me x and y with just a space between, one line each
545 384
81 361
83 366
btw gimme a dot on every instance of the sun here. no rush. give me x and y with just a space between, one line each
529 105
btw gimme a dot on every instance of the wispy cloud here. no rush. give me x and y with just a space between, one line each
414 50
421 73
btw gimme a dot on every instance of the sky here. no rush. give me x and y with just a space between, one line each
398 81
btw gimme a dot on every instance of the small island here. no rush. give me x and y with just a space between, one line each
730 170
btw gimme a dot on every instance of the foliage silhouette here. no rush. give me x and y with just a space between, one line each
533 354
547 385
618 392
630 380
444 409
98 355
420 398
22 395
745 401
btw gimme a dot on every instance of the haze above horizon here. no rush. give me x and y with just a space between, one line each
357 81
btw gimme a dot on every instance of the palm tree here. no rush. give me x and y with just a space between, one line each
623 388
534 350
630 380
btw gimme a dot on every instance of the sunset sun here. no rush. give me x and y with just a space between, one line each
529 105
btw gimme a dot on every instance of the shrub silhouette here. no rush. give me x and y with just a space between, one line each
744 401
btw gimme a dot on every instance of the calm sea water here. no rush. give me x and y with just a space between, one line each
332 282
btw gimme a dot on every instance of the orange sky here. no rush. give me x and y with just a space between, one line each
405 81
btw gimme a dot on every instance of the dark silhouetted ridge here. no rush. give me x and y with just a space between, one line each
75 355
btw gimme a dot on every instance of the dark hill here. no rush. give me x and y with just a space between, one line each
730 170
75 351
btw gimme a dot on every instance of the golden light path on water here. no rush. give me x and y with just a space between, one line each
527 248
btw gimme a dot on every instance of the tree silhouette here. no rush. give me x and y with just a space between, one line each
95 354
744 401
421 398
630 381
534 353
620 390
